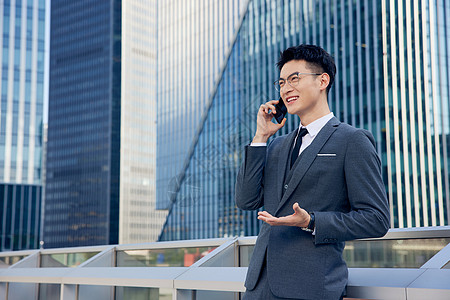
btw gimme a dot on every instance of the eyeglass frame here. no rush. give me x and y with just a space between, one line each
277 85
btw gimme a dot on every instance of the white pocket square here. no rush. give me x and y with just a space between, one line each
326 154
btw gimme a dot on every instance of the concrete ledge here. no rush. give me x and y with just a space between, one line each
213 279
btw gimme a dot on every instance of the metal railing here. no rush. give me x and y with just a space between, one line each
405 264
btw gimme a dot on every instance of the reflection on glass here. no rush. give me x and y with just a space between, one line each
62 260
410 253
407 253
174 257
123 292
245 254
49 291
6 261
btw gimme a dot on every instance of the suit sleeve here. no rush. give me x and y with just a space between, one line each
249 182
369 209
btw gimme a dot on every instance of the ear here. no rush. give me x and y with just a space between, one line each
324 81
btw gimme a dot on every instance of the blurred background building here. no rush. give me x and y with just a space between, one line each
216 65
152 102
139 220
22 52
100 180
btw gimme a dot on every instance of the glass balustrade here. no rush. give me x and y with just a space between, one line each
169 257
6 261
62 260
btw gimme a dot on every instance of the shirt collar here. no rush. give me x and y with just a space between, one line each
314 127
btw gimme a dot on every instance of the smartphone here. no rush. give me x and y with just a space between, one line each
281 111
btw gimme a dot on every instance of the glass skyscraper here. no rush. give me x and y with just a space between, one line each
100 178
199 75
216 65
22 53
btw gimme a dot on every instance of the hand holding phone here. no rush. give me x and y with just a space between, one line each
281 111
265 128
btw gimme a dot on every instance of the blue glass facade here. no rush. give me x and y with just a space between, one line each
208 106
22 58
199 97
20 216
416 116
83 152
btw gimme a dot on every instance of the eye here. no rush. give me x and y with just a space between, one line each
294 78
280 82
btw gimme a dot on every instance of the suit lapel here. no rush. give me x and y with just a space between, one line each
283 160
306 158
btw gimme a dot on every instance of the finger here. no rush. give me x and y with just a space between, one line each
273 102
282 123
271 107
269 220
265 214
262 107
264 218
278 220
296 208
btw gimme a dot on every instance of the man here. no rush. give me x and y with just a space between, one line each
320 186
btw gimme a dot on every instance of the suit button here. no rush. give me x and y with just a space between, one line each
285 186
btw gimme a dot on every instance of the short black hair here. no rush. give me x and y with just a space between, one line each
319 60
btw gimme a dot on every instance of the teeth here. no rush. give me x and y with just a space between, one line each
291 98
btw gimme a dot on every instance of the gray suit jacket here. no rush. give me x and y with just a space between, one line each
338 177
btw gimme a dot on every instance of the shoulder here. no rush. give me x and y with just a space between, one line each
359 143
353 135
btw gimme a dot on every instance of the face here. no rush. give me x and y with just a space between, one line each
304 98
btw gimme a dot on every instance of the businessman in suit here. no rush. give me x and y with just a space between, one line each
320 186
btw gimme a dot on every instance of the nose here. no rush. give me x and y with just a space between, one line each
286 88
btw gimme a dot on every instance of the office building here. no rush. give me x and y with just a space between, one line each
217 65
139 219
101 131
415 73
22 53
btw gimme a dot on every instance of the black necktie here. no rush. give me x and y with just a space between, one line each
298 144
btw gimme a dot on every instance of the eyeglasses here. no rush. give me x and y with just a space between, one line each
292 79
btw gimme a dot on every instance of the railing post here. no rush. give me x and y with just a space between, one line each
4 290
69 292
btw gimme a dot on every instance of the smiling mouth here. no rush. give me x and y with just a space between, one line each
290 99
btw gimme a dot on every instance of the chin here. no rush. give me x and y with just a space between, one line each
294 112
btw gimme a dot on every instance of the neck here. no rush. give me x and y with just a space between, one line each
309 117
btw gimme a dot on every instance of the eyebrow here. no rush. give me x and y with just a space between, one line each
289 75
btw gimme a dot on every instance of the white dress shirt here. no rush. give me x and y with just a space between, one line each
313 129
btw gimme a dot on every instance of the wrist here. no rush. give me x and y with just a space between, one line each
260 138
311 223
